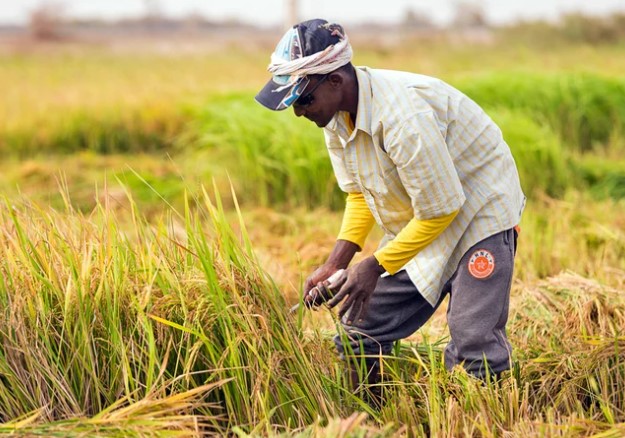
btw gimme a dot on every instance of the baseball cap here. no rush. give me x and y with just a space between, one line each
303 39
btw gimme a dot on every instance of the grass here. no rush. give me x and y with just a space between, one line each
564 124
585 110
110 320
280 159
174 326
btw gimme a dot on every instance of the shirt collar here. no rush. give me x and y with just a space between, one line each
363 112
363 115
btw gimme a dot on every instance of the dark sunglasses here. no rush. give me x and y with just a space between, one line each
308 98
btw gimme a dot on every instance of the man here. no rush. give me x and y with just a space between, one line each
425 163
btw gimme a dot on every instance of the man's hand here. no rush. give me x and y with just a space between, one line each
318 283
358 286
339 258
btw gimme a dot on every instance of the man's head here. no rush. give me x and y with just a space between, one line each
309 66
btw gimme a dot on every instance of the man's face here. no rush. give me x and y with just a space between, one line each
318 103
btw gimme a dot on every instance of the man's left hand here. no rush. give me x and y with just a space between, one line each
358 286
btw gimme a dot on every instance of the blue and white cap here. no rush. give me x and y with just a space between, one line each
300 41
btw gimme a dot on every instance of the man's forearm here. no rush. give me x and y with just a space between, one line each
342 253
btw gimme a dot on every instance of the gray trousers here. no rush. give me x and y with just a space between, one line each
477 312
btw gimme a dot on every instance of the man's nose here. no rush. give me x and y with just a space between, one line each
298 110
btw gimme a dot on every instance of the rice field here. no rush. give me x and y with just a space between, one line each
156 225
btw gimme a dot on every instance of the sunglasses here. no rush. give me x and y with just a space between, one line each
308 98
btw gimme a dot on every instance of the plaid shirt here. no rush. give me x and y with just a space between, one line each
421 148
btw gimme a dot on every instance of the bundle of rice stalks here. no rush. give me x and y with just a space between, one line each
568 334
94 312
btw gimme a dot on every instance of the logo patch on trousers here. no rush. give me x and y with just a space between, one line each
481 264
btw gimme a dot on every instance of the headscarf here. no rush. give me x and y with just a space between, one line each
325 61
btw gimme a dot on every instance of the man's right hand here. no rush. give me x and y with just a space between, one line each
339 258
316 290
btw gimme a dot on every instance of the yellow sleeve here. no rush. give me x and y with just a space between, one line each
357 220
415 236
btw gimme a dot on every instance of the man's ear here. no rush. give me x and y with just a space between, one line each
336 79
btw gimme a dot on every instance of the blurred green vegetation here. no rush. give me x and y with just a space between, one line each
271 157
163 124
103 133
544 165
564 133
584 109
573 28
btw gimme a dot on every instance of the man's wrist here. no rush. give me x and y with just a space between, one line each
342 254
375 264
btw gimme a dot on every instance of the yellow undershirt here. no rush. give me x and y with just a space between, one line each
416 235
357 220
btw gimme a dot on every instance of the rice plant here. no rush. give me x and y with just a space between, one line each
100 319
584 109
113 328
272 157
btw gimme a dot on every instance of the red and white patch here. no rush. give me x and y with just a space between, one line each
481 264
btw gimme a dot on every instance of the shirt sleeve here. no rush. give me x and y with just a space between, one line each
415 236
357 220
416 145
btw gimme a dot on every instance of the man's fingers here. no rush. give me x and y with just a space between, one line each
355 310
347 304
364 310
308 284
339 282
338 297
309 298
324 293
